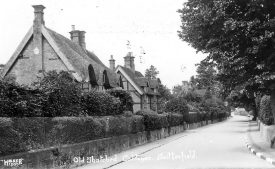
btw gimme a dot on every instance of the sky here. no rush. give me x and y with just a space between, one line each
149 25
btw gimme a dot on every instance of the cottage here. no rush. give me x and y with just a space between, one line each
43 50
144 91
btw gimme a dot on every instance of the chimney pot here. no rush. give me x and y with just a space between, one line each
78 37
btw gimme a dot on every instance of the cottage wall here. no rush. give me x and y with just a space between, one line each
51 59
154 103
135 95
25 69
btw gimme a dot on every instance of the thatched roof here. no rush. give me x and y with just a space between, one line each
81 59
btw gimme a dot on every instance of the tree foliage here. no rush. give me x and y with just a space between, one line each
206 75
238 35
152 72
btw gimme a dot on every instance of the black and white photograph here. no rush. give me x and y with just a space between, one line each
137 84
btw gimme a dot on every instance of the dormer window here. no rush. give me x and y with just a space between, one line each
92 77
105 80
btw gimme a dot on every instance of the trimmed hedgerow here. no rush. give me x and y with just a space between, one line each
95 103
122 125
265 114
33 131
126 101
10 141
152 120
24 134
75 130
174 119
192 117
177 105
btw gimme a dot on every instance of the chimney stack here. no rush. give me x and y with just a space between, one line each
112 63
82 42
78 37
129 61
38 22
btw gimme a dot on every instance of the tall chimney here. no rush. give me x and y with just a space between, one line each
38 22
129 61
112 63
132 59
82 42
78 37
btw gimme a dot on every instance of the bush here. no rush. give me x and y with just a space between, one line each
19 101
126 101
265 114
62 95
177 105
153 121
96 103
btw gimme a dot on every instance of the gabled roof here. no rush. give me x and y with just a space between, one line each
139 81
75 58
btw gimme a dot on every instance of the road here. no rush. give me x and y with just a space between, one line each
219 145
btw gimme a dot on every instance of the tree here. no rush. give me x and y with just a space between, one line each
165 92
238 36
206 75
193 82
152 72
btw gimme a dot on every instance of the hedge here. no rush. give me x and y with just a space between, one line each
24 134
174 119
153 121
192 117
68 130
10 141
265 113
